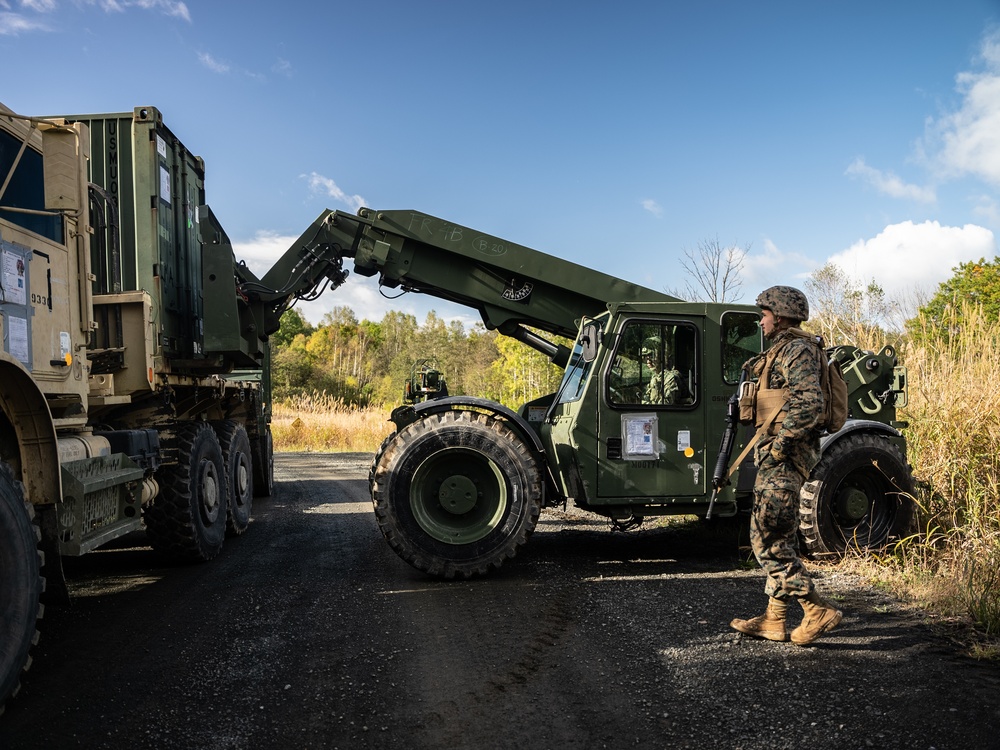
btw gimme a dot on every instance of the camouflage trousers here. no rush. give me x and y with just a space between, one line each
774 528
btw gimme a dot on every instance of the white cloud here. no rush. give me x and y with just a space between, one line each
12 24
216 66
967 142
167 7
39 6
653 207
773 266
889 184
282 67
908 258
325 186
987 207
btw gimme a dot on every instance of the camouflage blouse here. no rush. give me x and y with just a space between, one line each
796 368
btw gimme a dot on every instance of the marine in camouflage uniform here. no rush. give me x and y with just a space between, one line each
784 461
785 456
664 386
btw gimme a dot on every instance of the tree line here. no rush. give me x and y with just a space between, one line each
364 363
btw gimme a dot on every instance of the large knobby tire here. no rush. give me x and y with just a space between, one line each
456 494
263 464
239 472
187 520
21 583
860 497
376 460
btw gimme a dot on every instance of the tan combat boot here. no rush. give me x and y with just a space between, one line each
770 625
820 617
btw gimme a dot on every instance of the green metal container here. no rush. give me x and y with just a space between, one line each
158 186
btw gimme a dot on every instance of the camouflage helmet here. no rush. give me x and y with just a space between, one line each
785 302
651 346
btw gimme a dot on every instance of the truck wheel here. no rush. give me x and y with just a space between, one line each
860 496
21 583
263 465
377 460
187 521
456 494
239 472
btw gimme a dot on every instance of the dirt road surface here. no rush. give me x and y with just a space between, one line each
308 632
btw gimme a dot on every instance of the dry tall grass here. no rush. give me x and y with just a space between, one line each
953 563
319 423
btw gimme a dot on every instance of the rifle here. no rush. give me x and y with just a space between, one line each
720 478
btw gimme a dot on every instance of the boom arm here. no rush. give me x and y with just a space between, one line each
509 284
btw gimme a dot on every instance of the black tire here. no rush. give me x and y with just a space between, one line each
860 496
263 464
187 520
456 494
239 474
21 583
376 460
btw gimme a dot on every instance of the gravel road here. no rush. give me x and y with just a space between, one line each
308 632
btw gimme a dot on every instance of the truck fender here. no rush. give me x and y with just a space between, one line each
404 415
858 425
23 405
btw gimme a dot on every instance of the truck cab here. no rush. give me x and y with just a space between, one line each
634 426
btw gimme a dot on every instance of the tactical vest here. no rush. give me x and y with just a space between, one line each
760 404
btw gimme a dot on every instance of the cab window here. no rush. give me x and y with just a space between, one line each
655 365
26 190
741 340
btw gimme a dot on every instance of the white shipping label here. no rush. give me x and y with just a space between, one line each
164 185
683 440
17 339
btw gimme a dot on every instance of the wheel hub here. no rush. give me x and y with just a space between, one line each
242 480
458 494
210 492
853 504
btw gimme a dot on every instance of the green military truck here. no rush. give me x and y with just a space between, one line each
123 405
633 429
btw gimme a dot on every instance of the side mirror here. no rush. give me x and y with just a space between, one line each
590 340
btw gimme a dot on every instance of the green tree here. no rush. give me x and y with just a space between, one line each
975 282
292 324
521 374
291 368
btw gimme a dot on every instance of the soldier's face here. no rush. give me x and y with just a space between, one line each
767 323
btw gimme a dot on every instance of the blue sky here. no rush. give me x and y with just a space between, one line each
616 135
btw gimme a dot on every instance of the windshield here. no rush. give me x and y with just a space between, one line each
573 382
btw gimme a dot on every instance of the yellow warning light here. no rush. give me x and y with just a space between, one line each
688 452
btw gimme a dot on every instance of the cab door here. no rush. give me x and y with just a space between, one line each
651 413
